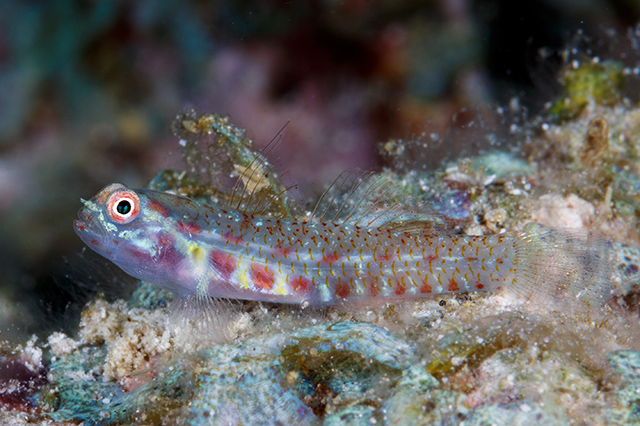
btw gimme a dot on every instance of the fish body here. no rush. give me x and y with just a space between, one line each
190 248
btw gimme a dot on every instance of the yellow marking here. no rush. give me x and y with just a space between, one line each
242 277
457 270
279 266
310 255
305 268
195 251
440 280
280 289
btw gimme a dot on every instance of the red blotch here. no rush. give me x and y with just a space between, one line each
479 286
472 259
373 288
500 261
189 228
262 278
300 284
400 288
166 251
425 288
156 206
284 252
331 257
81 226
430 257
453 285
222 263
230 238
95 242
343 290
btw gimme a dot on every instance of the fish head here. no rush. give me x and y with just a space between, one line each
127 227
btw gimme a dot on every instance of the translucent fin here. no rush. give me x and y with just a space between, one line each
216 152
567 271
199 320
376 200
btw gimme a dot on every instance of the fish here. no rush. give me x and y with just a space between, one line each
192 248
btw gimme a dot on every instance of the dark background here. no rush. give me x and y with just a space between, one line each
88 90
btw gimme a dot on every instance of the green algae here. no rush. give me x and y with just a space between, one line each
588 81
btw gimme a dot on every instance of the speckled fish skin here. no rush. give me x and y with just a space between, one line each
187 247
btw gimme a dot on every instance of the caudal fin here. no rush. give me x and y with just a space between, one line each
566 271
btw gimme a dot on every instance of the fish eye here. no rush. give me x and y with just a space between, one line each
123 206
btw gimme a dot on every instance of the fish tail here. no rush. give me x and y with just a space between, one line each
569 271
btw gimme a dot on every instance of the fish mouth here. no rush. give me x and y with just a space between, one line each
85 226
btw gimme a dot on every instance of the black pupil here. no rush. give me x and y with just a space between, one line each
123 207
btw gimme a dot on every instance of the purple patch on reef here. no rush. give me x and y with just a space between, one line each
454 205
19 382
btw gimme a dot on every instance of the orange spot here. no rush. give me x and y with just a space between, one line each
479 286
472 259
500 261
300 284
430 257
262 278
222 263
156 206
425 288
453 285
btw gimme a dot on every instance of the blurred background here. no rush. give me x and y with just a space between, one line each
88 90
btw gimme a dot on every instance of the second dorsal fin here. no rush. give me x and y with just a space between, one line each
376 201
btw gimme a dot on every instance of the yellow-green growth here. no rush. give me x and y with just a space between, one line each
599 82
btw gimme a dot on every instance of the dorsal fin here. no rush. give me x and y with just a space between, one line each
376 201
215 150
